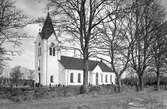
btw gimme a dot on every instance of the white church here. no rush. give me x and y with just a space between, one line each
51 68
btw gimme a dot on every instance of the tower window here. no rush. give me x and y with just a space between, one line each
39 75
50 49
39 65
53 51
71 77
51 79
39 51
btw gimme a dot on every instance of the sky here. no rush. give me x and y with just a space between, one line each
34 9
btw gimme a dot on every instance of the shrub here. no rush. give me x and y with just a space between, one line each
103 89
148 81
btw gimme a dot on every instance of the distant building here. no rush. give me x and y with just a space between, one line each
53 68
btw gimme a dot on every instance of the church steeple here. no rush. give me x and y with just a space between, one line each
48 28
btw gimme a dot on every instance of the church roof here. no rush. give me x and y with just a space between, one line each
77 64
48 28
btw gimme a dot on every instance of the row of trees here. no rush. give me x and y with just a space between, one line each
17 73
130 33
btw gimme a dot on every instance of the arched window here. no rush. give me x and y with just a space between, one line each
79 78
101 77
38 65
71 77
53 51
111 78
106 79
39 51
39 75
51 78
50 51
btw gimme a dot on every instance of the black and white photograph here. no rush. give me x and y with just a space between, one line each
83 54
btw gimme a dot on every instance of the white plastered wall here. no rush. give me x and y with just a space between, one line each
52 62
37 58
48 64
62 75
75 77
102 77
96 70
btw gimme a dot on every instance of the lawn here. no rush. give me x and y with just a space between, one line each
129 99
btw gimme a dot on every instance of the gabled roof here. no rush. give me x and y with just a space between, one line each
47 29
77 64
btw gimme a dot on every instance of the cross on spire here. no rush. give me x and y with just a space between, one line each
48 9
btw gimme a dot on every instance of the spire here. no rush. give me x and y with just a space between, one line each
47 29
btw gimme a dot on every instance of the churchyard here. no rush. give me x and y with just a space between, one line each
96 99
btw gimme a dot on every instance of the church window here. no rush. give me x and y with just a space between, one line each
53 51
39 65
51 79
101 77
39 44
39 75
79 78
71 77
39 51
111 78
50 51
106 79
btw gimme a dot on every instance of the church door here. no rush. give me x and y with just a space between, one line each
39 78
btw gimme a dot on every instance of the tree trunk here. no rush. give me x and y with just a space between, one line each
85 75
158 80
119 84
141 82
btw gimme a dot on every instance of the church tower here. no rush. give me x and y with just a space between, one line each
47 55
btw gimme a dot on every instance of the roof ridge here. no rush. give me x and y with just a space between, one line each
81 59
77 63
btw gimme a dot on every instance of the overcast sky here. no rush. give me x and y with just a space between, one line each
34 9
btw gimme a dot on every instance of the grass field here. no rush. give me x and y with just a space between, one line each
129 99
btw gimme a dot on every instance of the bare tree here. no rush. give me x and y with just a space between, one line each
114 43
159 48
11 20
16 75
80 18
144 14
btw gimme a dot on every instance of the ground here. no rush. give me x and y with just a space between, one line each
124 100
